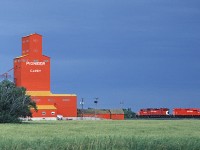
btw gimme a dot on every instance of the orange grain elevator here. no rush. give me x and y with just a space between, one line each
32 71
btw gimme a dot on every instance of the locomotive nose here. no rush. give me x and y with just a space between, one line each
167 112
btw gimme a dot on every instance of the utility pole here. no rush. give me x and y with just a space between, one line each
82 103
121 103
96 101
6 75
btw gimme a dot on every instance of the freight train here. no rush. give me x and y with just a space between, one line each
164 113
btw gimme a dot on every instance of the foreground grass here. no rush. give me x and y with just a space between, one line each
100 135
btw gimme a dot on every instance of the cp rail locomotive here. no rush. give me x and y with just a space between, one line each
164 113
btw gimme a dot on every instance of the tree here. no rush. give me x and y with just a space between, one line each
14 103
128 113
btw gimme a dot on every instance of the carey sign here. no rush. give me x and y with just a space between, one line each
35 70
36 63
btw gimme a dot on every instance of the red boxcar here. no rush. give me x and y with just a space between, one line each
154 112
186 112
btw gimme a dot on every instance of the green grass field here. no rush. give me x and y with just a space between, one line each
100 135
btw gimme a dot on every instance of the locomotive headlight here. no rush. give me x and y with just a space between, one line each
167 112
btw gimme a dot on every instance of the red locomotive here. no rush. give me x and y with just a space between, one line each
186 112
164 113
154 112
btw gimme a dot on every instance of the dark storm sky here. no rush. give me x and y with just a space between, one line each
145 53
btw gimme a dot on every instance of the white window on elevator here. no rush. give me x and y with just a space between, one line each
65 99
51 100
36 99
53 113
43 113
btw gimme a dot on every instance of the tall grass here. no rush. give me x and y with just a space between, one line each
100 135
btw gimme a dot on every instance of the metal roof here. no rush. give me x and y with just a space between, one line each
46 93
32 34
102 111
46 107
21 56
116 111
93 111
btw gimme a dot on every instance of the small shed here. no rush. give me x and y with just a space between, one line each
98 113
117 114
